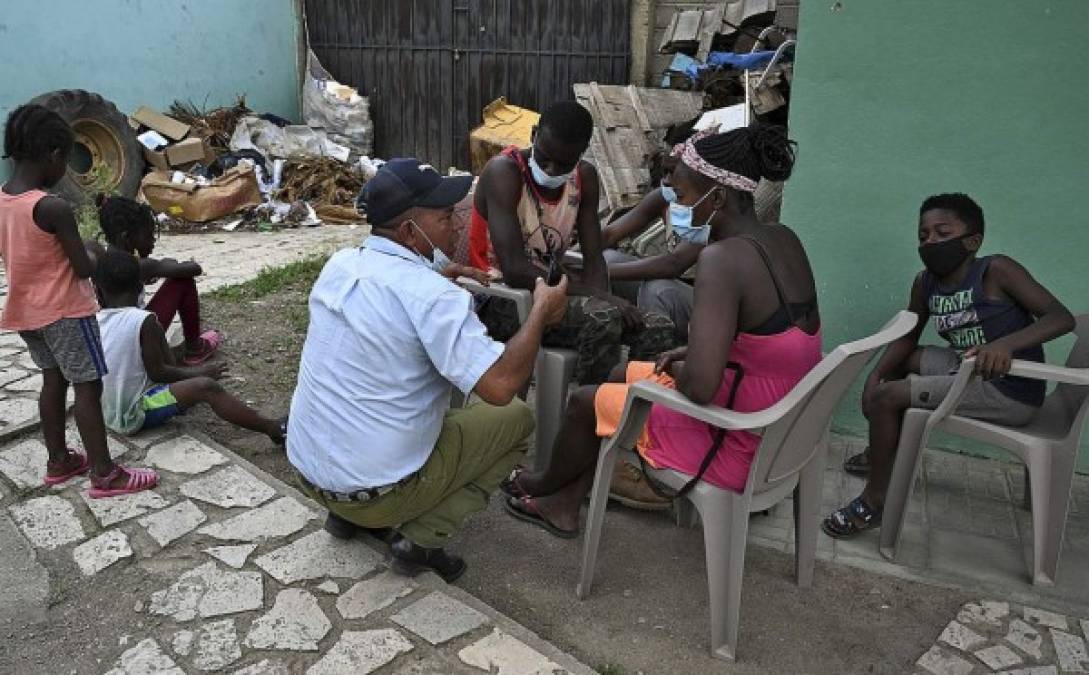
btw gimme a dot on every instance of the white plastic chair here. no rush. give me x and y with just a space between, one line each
552 372
790 458
1048 446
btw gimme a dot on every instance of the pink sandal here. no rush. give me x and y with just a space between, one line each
83 467
138 481
211 340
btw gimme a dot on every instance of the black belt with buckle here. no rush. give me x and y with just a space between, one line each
364 495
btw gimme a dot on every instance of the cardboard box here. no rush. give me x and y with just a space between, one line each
189 150
235 190
167 126
157 159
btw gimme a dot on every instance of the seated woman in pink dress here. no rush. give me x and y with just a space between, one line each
754 333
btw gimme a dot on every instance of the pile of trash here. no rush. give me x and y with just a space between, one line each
238 169
734 52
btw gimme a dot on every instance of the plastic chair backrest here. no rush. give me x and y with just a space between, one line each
789 444
1070 400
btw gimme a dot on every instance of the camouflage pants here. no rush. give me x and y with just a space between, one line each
591 327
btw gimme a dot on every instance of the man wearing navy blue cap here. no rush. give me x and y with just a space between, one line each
371 433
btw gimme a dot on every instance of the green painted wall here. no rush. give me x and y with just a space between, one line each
895 100
152 52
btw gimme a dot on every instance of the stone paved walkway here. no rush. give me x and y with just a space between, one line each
244 579
996 637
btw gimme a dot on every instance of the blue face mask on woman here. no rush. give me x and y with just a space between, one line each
669 194
680 219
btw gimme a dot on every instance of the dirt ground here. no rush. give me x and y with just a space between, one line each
649 611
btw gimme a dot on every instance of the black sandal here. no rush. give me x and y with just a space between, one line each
858 465
525 508
851 520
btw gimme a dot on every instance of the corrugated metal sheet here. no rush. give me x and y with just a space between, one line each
430 66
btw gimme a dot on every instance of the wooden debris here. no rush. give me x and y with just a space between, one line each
327 184
216 125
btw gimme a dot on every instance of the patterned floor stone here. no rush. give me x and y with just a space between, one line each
438 618
319 555
961 637
1071 652
372 595
48 522
146 439
27 385
12 374
987 612
113 510
998 639
95 555
216 646
174 522
24 462
235 556
280 518
17 413
184 454
1026 638
503 654
146 658
295 622
228 488
182 643
208 592
265 667
998 656
331 587
1046 618
941 662
361 652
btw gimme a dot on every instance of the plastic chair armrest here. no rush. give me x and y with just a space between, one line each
523 299
722 418
1045 371
573 258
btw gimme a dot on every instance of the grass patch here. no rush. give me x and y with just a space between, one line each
610 669
273 279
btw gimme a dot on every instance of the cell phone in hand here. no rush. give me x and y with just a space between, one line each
555 270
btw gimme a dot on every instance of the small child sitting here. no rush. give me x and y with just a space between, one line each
989 308
144 388
130 227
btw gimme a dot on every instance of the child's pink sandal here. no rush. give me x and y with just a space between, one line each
211 340
138 481
80 469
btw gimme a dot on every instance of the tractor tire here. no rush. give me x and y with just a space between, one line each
106 156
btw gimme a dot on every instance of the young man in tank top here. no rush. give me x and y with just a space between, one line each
989 308
530 207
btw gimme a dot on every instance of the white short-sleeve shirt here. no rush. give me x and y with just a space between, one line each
387 338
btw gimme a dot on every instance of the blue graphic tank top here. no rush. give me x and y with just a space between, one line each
965 317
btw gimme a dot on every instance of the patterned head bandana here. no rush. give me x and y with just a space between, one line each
691 157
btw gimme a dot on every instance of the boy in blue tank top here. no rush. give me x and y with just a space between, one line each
987 307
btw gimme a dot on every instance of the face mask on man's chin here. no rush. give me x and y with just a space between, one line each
439 261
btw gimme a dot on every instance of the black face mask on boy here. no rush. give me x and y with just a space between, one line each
942 257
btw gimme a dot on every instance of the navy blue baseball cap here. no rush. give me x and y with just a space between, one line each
405 183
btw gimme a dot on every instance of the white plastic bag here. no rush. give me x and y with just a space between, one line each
336 108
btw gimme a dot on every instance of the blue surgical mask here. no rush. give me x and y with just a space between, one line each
439 260
545 180
669 194
680 219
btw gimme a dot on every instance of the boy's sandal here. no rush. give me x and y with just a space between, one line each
525 508
858 465
283 430
138 480
210 341
83 467
510 486
851 520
